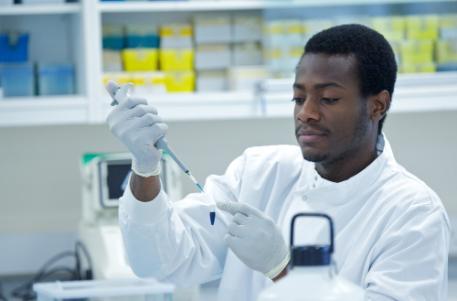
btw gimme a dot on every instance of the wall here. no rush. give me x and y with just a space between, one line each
40 180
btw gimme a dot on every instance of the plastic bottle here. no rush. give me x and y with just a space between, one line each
312 276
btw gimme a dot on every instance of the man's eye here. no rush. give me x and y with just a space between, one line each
329 101
298 100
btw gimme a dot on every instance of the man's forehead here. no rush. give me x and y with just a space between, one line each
338 67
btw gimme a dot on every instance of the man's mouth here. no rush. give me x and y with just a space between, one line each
311 135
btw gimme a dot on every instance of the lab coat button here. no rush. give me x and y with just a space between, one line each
305 198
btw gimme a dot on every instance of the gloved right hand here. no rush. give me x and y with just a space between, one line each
136 124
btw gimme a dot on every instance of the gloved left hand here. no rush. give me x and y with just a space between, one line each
255 239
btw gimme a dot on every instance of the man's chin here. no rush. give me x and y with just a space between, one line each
314 157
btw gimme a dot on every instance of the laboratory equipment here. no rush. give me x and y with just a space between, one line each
312 276
104 178
121 95
105 290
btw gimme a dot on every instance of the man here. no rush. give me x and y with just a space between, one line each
391 230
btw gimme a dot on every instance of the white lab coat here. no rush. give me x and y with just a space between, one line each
391 230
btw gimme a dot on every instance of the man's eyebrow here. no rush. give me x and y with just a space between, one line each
318 86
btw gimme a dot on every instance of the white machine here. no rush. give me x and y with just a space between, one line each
105 176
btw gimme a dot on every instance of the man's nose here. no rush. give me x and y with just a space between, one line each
310 110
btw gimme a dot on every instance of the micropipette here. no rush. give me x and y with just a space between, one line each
120 94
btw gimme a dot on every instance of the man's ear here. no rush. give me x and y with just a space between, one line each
378 105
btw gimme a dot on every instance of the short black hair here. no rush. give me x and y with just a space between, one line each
376 65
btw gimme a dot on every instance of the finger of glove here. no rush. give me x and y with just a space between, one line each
231 241
120 114
238 207
131 102
112 87
240 218
154 132
130 128
140 110
148 120
237 230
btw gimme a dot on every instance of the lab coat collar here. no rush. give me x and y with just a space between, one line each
314 188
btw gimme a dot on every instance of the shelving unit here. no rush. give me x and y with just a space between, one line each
202 6
414 93
42 9
43 111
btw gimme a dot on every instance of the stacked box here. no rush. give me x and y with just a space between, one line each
446 46
247 54
113 37
140 59
56 79
213 37
283 45
17 79
141 36
112 60
214 80
177 57
247 29
212 57
14 47
212 29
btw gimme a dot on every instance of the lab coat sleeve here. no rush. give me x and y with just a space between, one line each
174 241
410 259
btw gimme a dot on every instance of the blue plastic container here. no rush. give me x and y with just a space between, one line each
113 42
14 48
146 41
56 79
17 79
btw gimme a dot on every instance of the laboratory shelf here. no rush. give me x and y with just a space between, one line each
432 92
43 110
40 9
200 105
195 6
413 93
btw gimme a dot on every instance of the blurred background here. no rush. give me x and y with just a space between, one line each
220 74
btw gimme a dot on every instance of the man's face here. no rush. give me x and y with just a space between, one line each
331 117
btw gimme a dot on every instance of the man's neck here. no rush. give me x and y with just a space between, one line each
348 165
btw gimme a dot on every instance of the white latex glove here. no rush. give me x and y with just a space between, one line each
136 124
255 239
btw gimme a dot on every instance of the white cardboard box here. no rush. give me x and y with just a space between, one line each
212 29
211 57
247 28
215 80
247 54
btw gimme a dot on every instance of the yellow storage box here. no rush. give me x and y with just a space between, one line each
183 81
446 51
140 59
392 28
424 27
418 68
416 52
176 59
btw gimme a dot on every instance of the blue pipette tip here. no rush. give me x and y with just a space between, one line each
199 187
212 217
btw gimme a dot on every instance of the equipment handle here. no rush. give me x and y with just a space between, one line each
323 215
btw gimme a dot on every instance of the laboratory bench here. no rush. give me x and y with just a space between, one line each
208 292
